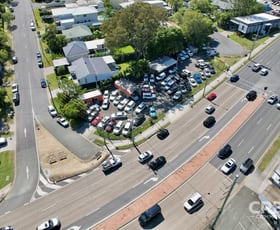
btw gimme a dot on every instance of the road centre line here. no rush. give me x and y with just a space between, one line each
259 121
45 209
240 142
251 149
268 127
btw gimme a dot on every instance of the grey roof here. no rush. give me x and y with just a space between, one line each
75 48
256 18
161 64
223 4
77 31
60 62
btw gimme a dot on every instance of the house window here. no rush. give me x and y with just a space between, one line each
242 28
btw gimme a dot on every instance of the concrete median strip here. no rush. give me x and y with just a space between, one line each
166 187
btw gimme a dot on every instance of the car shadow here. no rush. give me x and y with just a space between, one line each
154 222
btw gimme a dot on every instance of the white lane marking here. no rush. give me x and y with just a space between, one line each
41 192
240 142
268 127
47 184
241 226
24 132
259 121
27 172
45 209
204 137
154 179
74 228
251 149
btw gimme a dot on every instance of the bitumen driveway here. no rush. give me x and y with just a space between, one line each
226 46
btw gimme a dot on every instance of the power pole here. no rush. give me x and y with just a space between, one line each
212 226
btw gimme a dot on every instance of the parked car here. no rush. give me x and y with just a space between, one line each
113 95
173 89
210 109
3 142
105 104
177 96
162 134
117 100
152 112
110 126
52 111
157 163
106 95
63 122
138 120
234 78
129 107
118 127
32 25
14 59
149 214
225 152
246 166
161 76
105 120
127 128
193 203
264 72
15 87
121 115
16 98
278 105
96 120
256 67
145 156
43 83
40 63
122 104
146 78
192 82
197 78
111 164
211 96
272 99
209 122
187 72
51 224
140 108
251 95
212 69
229 166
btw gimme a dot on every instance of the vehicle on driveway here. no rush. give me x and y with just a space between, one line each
229 166
246 166
272 99
3 142
210 109
111 164
193 203
211 96
52 111
145 156
63 122
256 67
157 163
162 134
251 95
152 112
234 78
209 122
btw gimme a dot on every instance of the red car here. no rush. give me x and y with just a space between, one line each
211 96
110 126
96 121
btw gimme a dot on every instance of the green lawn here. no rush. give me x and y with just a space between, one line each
6 168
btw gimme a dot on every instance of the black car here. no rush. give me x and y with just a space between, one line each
234 78
172 90
40 63
14 59
209 122
252 95
212 69
225 152
43 83
138 120
157 163
162 134
246 166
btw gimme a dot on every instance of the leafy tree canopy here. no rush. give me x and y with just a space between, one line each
246 7
135 25
203 6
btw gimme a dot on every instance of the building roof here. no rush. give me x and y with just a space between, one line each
255 18
91 94
77 31
222 4
93 45
60 62
159 3
161 64
75 48
80 10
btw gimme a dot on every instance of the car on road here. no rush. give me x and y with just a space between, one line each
96 120
225 152
246 166
264 72
140 108
234 78
43 83
211 96
193 203
40 63
210 109
121 115
52 111
139 119
127 128
51 224
229 166
15 87
152 112
272 99
14 59
9 227
63 122
251 95
145 156
105 104
32 25
162 134
118 127
209 122
157 163
256 67
149 214
111 164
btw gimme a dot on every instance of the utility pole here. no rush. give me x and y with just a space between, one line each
254 38
204 88
212 226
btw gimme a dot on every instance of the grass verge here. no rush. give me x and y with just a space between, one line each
6 168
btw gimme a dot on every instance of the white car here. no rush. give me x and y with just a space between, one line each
106 94
127 128
145 156
228 166
105 104
53 223
113 95
110 164
122 104
32 25
264 72
129 107
187 72
52 111
192 82
118 128
140 108
117 100
207 72
121 115
63 122
278 105
14 88
193 203
272 99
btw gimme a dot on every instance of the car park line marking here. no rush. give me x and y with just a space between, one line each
268 127
240 142
47 184
41 192
241 226
154 179
251 149
27 172
259 121
24 132
204 137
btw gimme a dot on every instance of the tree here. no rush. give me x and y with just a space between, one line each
4 55
167 41
223 19
246 7
74 109
55 42
203 6
175 4
135 25
138 68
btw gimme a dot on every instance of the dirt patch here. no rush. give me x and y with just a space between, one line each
57 162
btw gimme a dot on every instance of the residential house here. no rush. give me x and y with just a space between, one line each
95 45
67 17
159 3
86 70
75 50
77 32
